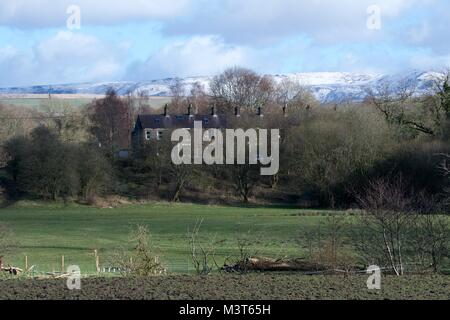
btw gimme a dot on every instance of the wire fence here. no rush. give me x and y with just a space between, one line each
178 267
53 269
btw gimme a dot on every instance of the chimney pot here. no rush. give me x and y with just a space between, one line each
260 112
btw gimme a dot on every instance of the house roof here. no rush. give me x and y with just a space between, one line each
150 121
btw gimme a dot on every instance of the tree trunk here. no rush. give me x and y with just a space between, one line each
274 181
179 187
391 257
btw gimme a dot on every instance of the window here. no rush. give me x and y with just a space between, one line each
159 135
148 134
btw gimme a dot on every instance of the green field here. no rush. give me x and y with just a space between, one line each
36 103
46 232
39 102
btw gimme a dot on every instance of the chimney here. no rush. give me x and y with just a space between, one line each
190 110
260 112
213 111
165 110
237 112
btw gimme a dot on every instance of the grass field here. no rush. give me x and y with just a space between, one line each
37 101
46 232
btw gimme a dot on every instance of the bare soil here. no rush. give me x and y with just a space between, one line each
232 287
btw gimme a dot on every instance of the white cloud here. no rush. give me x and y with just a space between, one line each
430 62
68 45
260 22
420 33
200 55
431 30
51 13
267 35
65 57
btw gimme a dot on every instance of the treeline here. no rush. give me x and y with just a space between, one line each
329 153
44 166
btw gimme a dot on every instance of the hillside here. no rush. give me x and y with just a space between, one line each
328 87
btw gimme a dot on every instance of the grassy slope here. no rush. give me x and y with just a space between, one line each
47 232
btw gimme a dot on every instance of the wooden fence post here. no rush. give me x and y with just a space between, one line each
26 263
62 264
97 261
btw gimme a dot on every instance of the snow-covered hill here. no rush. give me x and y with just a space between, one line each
328 87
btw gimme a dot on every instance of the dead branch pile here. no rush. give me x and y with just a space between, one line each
267 264
12 270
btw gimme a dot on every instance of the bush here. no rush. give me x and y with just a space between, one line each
141 261
418 162
43 166
335 150
95 172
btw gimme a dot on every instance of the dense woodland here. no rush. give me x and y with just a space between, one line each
330 156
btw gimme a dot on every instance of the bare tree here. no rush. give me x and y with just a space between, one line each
111 122
294 96
435 104
143 105
432 234
429 113
177 89
199 98
177 175
389 213
241 88
69 122
440 91
203 255
396 102
445 168
142 260
245 178
181 174
432 231
14 122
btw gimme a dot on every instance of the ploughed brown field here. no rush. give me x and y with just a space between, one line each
233 287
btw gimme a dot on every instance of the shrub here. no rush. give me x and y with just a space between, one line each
335 150
95 172
141 261
43 166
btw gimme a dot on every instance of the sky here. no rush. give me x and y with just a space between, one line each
72 41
